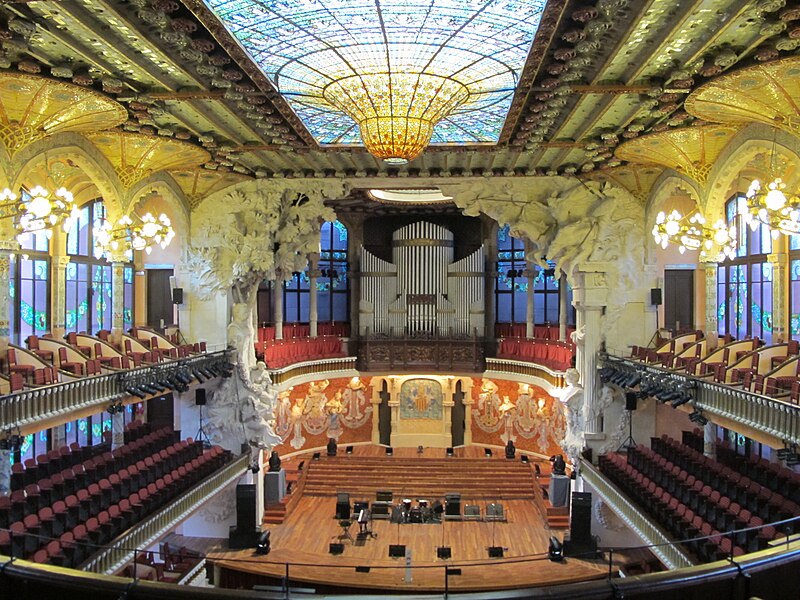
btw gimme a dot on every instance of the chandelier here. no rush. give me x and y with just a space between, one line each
39 210
396 112
691 233
768 205
128 235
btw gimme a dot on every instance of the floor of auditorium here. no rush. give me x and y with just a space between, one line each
303 539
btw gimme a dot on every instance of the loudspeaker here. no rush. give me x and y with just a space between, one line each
580 525
342 506
335 548
238 539
397 550
444 552
655 296
177 295
200 396
630 400
245 506
495 552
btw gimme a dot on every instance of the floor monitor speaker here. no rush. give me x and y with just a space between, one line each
397 550
335 548
495 552
444 552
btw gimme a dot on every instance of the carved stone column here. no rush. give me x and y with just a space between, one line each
117 294
277 303
313 273
117 429
590 296
530 302
780 286
563 307
710 440
711 325
58 302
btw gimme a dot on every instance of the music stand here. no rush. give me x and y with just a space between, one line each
345 524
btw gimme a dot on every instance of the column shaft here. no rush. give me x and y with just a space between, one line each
278 304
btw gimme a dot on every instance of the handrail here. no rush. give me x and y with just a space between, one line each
313 367
662 545
24 407
113 557
771 416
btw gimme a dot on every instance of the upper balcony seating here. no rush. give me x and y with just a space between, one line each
33 345
286 352
750 364
666 352
160 345
554 354
72 340
688 357
778 382
301 330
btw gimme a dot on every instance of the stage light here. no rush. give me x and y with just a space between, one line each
487 452
348 450
555 550
389 451
263 542
449 451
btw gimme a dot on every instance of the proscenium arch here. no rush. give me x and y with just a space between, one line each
748 143
78 151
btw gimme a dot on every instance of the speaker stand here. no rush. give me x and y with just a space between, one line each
201 435
630 442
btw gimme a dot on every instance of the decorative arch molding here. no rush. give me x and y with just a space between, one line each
79 151
668 184
163 184
746 145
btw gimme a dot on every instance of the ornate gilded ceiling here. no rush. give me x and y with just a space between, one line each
598 73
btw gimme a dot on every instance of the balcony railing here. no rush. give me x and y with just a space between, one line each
144 534
332 367
771 416
661 544
20 409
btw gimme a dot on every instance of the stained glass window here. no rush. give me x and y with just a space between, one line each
89 293
295 298
307 48
511 285
332 284
744 283
29 287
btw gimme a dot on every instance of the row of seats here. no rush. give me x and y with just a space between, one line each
720 506
770 479
698 523
299 330
71 531
42 488
550 353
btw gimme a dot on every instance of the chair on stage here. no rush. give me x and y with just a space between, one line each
345 524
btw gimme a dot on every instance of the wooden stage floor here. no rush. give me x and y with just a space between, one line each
303 539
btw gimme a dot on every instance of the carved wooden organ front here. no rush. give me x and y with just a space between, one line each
422 292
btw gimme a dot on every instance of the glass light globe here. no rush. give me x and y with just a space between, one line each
672 227
39 206
775 199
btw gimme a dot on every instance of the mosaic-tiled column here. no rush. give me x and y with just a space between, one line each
58 304
711 298
117 295
780 317
7 248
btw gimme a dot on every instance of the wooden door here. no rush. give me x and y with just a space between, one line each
678 299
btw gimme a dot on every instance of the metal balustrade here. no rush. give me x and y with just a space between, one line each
771 416
144 534
660 543
25 407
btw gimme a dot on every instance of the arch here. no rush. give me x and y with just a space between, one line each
163 184
77 151
741 157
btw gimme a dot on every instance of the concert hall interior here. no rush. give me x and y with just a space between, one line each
399 297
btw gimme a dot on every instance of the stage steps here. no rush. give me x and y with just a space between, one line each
473 478
557 516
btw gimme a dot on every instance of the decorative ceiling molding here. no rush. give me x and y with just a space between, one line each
767 93
135 156
197 184
32 107
690 150
638 180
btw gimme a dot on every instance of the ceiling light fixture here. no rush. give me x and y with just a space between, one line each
691 233
128 235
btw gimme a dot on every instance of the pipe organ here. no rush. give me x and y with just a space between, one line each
422 292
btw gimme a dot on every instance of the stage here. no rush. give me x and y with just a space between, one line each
303 540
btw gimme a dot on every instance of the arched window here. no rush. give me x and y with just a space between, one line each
744 283
511 285
295 298
29 288
333 286
89 294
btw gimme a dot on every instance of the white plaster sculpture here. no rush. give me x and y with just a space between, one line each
572 402
261 231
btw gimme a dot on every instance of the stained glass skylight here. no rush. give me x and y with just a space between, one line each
312 50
